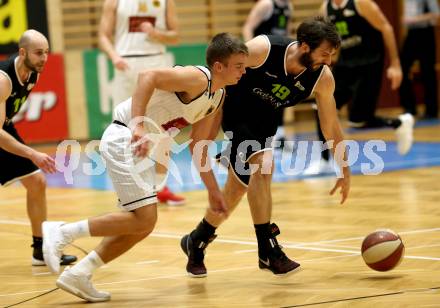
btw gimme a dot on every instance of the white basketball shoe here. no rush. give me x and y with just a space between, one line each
54 242
81 286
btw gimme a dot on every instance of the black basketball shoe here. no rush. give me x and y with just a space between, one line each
38 260
195 250
276 260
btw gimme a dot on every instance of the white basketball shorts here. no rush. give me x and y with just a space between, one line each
133 178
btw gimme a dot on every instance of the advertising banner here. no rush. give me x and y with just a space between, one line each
16 16
98 71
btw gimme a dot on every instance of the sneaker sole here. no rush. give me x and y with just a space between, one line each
294 271
196 276
175 203
36 262
79 293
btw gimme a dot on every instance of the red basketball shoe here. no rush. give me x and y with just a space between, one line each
168 197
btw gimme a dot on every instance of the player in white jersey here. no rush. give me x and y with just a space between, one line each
134 35
164 100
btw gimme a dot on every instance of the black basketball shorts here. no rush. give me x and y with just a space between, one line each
14 167
243 145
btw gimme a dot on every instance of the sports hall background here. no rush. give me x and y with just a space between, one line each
72 100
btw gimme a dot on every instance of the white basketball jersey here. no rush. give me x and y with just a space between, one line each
165 110
129 39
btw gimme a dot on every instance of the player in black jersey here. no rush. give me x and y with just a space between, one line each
281 72
18 75
364 31
268 17
272 17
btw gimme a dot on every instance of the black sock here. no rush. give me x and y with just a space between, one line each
37 241
203 232
383 122
263 233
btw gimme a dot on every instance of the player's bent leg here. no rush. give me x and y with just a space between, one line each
270 253
35 185
195 243
259 191
233 192
77 280
138 220
112 247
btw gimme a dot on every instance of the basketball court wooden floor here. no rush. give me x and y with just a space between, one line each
316 231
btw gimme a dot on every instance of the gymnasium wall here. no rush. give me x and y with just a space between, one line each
79 76
89 75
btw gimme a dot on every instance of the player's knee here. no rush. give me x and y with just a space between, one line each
145 223
237 193
36 183
263 169
142 235
262 163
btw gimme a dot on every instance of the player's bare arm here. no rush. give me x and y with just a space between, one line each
171 34
331 128
10 144
373 14
106 31
189 82
261 10
202 131
258 49
6 141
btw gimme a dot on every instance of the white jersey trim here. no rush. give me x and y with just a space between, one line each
16 72
319 78
285 56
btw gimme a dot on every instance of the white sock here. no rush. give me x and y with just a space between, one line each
76 229
88 264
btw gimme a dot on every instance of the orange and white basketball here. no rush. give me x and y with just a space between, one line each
382 250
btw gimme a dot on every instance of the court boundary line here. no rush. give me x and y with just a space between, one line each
32 298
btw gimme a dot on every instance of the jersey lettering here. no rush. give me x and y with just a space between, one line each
280 91
342 28
18 102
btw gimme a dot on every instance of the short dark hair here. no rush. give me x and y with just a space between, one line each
222 46
316 30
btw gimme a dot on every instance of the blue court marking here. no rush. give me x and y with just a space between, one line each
287 164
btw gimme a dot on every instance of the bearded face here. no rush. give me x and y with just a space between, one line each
314 59
306 60
34 63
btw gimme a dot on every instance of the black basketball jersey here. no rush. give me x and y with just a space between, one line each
277 22
20 90
265 91
361 42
